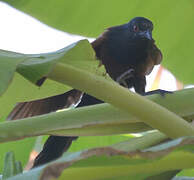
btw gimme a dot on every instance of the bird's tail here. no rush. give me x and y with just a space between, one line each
54 147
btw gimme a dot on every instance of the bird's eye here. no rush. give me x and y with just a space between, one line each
135 28
144 26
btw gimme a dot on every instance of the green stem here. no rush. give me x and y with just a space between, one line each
142 142
152 114
103 129
130 169
94 120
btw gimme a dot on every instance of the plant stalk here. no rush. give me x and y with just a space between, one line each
149 112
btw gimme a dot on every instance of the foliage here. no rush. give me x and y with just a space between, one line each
173 23
110 163
76 64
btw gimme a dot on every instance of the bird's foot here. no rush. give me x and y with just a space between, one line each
158 91
124 76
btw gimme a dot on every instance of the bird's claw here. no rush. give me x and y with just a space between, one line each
158 91
124 76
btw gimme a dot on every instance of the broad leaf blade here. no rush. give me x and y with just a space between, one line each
35 69
11 166
175 40
108 163
102 119
9 62
20 148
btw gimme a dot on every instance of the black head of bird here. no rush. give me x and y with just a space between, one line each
141 27
128 52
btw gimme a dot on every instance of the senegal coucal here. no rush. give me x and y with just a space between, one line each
128 53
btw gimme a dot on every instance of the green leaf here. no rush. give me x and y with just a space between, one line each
174 39
9 62
121 98
93 120
20 148
88 142
164 176
26 91
109 163
79 54
35 68
11 167
18 167
187 172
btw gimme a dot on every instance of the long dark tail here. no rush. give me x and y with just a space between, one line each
55 146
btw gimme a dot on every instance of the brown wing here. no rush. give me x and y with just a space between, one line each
46 105
43 106
113 68
156 54
98 44
154 58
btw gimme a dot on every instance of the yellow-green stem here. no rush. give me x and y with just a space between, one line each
149 112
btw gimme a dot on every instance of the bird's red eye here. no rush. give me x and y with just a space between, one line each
135 28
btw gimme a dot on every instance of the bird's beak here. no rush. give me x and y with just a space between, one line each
146 34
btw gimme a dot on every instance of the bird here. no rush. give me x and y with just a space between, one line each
127 51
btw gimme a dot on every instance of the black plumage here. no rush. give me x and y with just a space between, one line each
128 53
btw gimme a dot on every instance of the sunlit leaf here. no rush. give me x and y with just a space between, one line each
109 163
20 148
102 119
35 68
172 27
11 166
